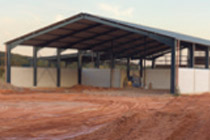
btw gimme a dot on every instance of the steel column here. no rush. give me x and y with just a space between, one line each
128 68
173 68
140 71
207 58
153 63
192 58
35 51
112 66
66 64
58 67
97 63
180 56
79 68
8 60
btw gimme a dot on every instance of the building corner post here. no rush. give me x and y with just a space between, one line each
173 68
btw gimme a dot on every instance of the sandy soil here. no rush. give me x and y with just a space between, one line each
80 115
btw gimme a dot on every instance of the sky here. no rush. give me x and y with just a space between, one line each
18 17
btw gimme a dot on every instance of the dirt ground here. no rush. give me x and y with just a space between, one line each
84 113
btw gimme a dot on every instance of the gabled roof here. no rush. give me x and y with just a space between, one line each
89 32
171 34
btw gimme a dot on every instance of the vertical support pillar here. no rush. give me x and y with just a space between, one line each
79 68
153 63
128 68
140 71
58 67
180 56
207 58
66 64
35 51
8 60
112 61
192 58
97 63
173 68
112 66
49 63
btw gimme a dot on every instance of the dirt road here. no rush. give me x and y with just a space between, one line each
79 116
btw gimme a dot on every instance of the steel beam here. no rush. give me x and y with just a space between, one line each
124 50
166 40
58 66
92 37
142 53
68 35
135 49
207 58
35 34
118 49
163 53
79 67
173 68
94 46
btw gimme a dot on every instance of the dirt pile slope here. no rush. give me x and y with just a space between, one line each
5 87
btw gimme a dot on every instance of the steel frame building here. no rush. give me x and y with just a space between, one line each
113 38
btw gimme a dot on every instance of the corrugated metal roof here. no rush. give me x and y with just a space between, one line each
171 34
113 22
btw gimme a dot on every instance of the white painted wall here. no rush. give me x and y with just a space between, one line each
96 77
190 81
186 82
22 77
46 77
158 78
201 80
69 77
193 81
101 77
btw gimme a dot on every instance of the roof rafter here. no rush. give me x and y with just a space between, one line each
133 48
120 44
94 46
70 34
161 47
92 37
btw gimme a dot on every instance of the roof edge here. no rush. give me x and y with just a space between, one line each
81 15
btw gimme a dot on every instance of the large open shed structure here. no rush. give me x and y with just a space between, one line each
113 39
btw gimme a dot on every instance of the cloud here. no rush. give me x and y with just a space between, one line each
116 10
